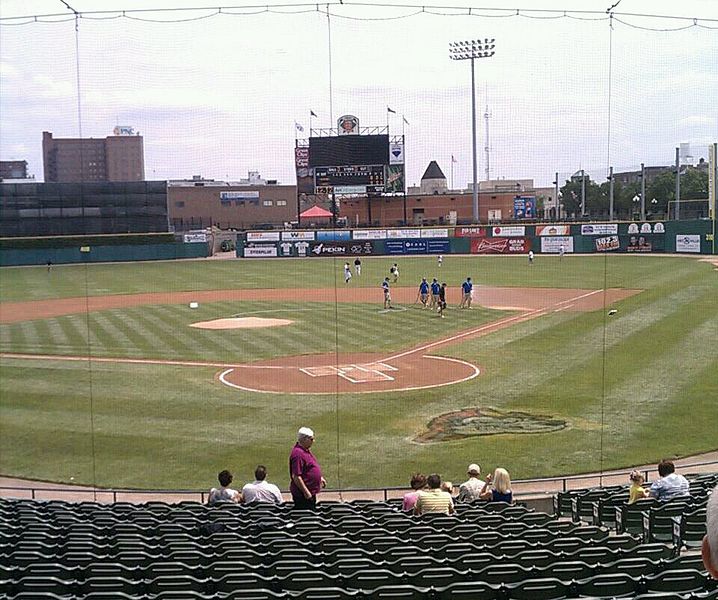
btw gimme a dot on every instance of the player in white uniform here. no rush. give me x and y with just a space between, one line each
440 260
347 273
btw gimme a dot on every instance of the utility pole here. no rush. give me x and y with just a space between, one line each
678 185
643 192
610 193
471 50
555 195
487 116
583 193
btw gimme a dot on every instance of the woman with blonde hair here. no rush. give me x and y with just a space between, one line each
501 489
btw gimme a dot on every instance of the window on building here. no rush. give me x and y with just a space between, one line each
179 203
266 203
281 202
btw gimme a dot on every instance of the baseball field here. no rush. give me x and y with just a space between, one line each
158 375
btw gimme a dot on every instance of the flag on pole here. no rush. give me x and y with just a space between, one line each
403 118
453 160
298 126
312 113
390 110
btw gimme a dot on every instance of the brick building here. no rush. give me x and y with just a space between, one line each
13 169
114 158
200 203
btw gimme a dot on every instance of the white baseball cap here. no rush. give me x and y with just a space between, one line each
305 432
474 468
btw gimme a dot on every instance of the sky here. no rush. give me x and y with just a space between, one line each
221 96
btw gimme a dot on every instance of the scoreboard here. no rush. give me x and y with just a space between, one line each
353 179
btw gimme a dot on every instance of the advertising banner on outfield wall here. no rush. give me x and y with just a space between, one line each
599 229
298 235
334 236
470 232
552 245
262 236
342 248
542 230
369 234
511 231
688 243
639 243
403 234
500 245
417 246
435 233
195 238
607 244
261 251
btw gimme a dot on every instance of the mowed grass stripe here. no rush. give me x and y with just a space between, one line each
577 348
118 336
166 342
171 318
659 379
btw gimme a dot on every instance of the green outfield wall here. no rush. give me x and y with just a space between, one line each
92 249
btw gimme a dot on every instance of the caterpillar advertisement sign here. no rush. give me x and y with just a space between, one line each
516 245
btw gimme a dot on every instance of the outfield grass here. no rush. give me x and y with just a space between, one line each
633 387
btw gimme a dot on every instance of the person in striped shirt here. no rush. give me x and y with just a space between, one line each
434 500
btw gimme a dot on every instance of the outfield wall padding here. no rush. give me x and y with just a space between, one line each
119 253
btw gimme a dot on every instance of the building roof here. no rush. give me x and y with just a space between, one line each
433 171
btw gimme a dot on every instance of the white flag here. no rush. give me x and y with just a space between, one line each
298 126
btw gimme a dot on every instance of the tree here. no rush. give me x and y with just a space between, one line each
694 186
596 199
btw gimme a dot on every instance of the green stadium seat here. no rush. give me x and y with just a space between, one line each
503 573
398 592
633 566
328 593
112 585
681 581
538 589
435 577
371 579
567 570
610 585
470 590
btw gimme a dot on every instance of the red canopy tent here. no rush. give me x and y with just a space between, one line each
315 212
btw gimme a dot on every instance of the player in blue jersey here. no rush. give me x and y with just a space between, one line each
424 292
387 293
466 289
435 287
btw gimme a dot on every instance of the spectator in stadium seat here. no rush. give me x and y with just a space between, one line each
710 541
470 490
637 491
434 500
261 490
448 487
305 472
224 493
418 483
670 485
500 491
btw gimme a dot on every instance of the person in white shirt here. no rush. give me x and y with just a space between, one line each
261 490
710 541
224 493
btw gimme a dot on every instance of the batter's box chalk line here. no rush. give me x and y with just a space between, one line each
353 373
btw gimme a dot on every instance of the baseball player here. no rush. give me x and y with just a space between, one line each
357 266
442 300
435 287
424 292
395 272
387 293
347 273
466 289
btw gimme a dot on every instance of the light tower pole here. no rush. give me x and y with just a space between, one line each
471 50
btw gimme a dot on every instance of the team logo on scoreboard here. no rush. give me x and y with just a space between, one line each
348 124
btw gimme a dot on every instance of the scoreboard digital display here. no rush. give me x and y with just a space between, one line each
344 150
349 179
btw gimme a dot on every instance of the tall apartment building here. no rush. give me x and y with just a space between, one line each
114 158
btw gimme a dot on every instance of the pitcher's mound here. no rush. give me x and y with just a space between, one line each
241 323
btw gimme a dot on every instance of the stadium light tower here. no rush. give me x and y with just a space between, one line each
471 50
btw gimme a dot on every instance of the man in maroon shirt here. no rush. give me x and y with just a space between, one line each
305 472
